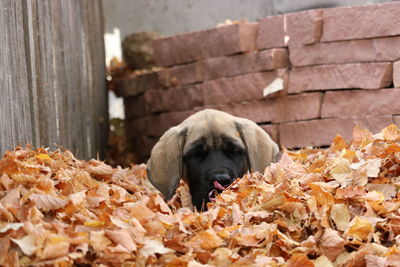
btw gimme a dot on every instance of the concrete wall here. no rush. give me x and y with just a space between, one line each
169 17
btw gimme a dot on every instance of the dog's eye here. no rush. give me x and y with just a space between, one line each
197 152
233 150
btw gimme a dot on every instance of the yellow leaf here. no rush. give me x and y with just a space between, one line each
322 197
43 156
94 223
338 143
53 239
208 239
359 228
341 216
340 170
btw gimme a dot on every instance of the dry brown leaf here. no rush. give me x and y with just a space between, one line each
299 260
332 244
121 237
341 216
27 244
48 202
99 241
361 137
391 133
87 213
153 246
359 228
340 170
207 239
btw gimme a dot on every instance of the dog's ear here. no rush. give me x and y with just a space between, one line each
261 150
164 168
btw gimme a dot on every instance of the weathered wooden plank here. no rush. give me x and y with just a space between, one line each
15 121
52 88
30 30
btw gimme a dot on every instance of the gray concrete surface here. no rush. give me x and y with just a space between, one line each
169 17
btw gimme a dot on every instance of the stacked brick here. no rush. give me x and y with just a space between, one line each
303 77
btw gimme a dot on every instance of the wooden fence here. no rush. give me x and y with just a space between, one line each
52 87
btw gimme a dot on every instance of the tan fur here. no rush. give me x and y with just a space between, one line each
165 167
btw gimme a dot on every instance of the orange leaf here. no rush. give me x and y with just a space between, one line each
338 143
208 239
299 260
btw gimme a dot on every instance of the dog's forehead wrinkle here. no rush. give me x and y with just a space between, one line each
209 129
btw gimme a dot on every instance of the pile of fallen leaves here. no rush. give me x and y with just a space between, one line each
331 207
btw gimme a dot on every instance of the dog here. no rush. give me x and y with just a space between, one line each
209 150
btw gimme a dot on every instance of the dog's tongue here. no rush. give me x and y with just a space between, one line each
214 192
218 186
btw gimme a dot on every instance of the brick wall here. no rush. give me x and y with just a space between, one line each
304 76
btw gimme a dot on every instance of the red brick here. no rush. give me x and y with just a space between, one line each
135 106
368 50
271 32
322 132
136 127
194 46
360 103
359 75
173 99
348 23
239 88
214 68
396 73
272 130
270 59
181 75
131 86
280 109
396 120
142 146
158 124
155 125
304 27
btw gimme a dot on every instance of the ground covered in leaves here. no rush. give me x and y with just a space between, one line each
331 207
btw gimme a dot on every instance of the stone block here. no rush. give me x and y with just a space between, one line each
304 27
322 132
359 75
215 42
361 22
226 66
134 85
396 74
354 51
135 107
173 99
271 32
270 59
280 109
240 88
272 130
359 103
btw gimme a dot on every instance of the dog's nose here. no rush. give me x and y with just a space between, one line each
222 178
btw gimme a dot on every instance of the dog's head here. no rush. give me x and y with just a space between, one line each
209 150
